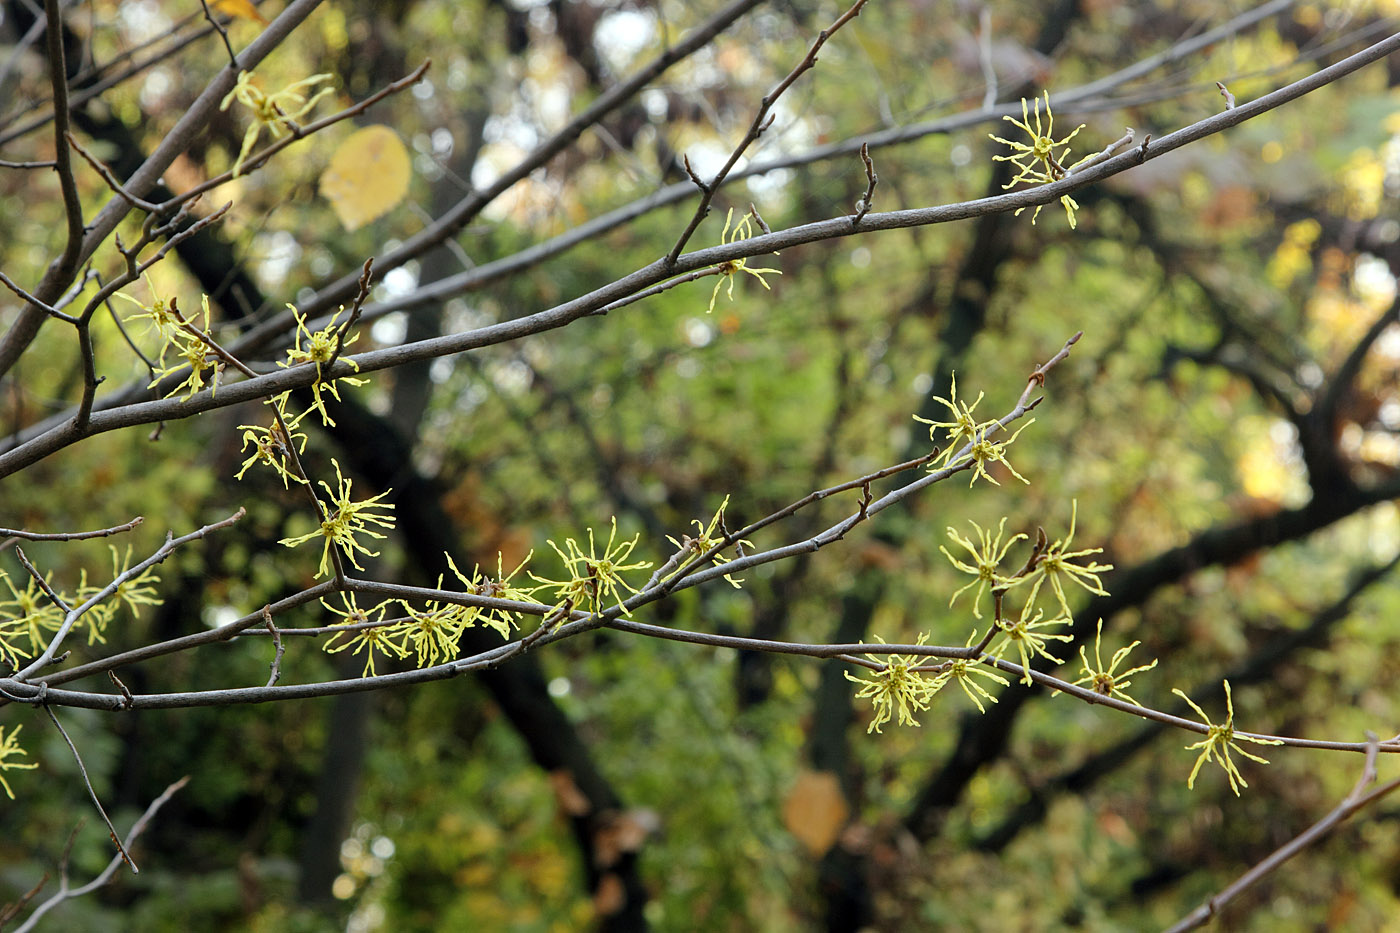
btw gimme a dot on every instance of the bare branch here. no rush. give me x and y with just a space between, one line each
107 873
1350 805
112 830
67 535
761 121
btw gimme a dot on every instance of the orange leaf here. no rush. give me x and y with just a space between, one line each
368 175
239 8
815 810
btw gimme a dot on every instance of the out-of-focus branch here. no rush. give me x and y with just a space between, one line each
1350 805
64 893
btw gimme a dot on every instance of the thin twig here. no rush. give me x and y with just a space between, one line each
68 535
278 648
107 873
871 179
761 121
223 33
72 615
1353 802
112 830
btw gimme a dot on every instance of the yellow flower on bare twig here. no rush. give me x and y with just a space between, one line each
1055 566
1036 160
985 451
728 269
1220 740
277 111
963 671
961 430
1109 681
386 639
9 746
320 347
1029 641
346 518
987 555
274 446
896 688
595 579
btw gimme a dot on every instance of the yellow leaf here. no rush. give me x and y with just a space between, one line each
815 810
367 176
240 8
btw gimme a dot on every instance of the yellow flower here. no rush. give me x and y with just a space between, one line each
895 687
727 270
373 637
30 614
963 669
9 745
1220 740
135 591
274 446
1055 567
1022 633
987 555
161 314
1107 681
346 518
706 537
985 450
499 587
192 352
595 579
433 632
1036 161
278 111
319 348
961 430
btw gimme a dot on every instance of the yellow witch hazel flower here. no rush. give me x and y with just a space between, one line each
985 451
1024 634
9 746
706 537
961 430
135 591
386 639
498 587
193 352
277 111
432 632
161 314
31 615
595 579
1036 160
1109 681
346 518
274 446
727 270
964 670
319 348
1055 567
1220 740
896 687
987 554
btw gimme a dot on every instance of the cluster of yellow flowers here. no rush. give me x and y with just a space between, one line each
899 686
28 617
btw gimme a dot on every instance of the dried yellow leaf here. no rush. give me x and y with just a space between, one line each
815 810
239 8
368 175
